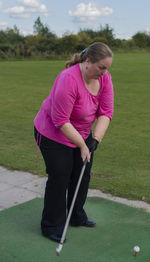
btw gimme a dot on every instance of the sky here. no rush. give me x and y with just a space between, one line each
126 17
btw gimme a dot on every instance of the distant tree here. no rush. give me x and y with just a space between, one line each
107 33
68 43
30 40
141 39
40 29
99 39
44 43
103 34
13 36
117 43
129 44
83 40
3 37
89 32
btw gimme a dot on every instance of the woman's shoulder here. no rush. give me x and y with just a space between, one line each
68 79
72 71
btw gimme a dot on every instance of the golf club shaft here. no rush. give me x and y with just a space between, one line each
72 204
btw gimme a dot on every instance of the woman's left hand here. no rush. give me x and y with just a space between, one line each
92 144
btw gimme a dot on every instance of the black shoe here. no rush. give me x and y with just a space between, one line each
88 223
56 237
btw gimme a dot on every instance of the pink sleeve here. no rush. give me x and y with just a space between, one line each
64 97
106 105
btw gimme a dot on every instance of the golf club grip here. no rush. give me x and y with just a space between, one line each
73 201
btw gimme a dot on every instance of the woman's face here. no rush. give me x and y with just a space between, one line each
96 70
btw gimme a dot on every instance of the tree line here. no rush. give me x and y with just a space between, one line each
43 43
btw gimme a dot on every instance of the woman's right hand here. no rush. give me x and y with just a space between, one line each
85 153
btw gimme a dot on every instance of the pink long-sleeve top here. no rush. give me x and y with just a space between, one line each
70 101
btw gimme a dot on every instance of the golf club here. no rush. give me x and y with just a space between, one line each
59 248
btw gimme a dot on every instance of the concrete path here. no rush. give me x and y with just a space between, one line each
17 187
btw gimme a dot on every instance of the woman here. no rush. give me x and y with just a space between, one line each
81 93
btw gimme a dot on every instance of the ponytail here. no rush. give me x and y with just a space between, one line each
77 58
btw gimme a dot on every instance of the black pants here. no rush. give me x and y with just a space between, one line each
63 166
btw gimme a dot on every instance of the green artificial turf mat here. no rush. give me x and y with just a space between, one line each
119 228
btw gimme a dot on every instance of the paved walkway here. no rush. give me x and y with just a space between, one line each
17 187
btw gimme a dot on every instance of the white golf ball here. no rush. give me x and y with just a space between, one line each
136 249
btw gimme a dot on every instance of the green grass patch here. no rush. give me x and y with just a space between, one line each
118 229
121 164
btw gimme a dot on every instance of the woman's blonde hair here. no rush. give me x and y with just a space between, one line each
95 52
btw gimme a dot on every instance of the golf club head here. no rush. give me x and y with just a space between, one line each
58 249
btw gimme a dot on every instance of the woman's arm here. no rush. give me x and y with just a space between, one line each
101 127
71 133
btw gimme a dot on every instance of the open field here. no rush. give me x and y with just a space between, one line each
122 162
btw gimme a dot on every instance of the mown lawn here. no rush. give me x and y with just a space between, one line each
122 161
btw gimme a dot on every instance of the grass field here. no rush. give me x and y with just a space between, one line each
122 162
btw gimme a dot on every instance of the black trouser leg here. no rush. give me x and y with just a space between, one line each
78 214
63 166
59 161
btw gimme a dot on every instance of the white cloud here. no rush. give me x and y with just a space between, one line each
0 3
30 3
27 8
17 12
91 11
